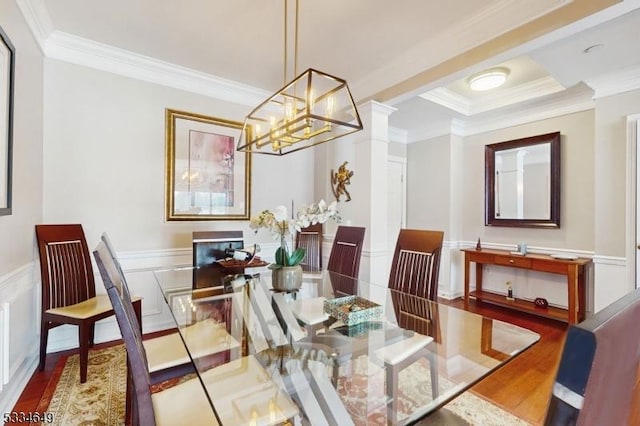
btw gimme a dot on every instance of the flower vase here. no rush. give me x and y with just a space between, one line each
287 278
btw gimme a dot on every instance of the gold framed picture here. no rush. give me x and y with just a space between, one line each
205 177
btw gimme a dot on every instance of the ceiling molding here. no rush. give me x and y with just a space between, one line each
614 83
449 99
544 112
465 105
458 127
398 135
521 93
80 51
37 18
576 99
441 128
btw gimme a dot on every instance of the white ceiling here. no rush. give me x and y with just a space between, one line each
376 45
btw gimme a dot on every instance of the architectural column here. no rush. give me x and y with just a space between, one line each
369 188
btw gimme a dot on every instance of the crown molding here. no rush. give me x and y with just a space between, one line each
398 135
524 92
442 128
465 105
617 82
449 99
574 100
38 20
80 51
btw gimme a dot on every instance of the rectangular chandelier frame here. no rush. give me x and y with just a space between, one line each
312 109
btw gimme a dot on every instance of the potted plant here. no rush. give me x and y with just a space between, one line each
287 272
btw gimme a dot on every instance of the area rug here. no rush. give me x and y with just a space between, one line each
101 400
363 394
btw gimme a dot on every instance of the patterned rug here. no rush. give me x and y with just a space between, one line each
370 408
97 402
101 400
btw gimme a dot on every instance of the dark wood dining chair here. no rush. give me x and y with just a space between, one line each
344 260
346 251
183 404
310 238
167 357
68 288
416 263
413 282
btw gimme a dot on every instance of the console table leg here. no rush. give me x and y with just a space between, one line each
572 282
466 282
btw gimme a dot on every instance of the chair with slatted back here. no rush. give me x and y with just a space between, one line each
413 282
344 268
310 238
68 288
166 355
183 404
416 263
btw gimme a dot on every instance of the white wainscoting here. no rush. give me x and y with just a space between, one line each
19 331
611 281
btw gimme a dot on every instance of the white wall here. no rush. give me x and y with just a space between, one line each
105 157
613 240
18 286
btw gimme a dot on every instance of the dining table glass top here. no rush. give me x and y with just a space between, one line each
338 351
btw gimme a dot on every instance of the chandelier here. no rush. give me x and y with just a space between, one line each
313 108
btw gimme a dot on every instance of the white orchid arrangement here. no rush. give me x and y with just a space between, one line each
281 226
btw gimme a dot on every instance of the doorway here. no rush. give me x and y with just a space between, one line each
396 200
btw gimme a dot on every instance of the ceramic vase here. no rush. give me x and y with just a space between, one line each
287 278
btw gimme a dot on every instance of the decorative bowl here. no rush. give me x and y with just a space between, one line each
352 310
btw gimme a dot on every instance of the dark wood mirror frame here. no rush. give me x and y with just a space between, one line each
553 221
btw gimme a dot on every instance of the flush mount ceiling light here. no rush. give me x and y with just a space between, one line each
313 108
488 79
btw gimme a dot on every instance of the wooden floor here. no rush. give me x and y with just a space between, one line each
521 387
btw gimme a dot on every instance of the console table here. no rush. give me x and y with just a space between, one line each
573 269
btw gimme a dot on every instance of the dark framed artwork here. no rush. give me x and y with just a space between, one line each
206 178
7 72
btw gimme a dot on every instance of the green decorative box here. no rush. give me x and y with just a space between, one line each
352 309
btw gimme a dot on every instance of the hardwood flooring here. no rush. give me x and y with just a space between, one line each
522 386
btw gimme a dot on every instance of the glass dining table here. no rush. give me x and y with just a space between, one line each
338 351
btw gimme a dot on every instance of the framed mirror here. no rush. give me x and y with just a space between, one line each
522 182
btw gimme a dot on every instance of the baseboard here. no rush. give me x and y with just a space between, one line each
13 389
